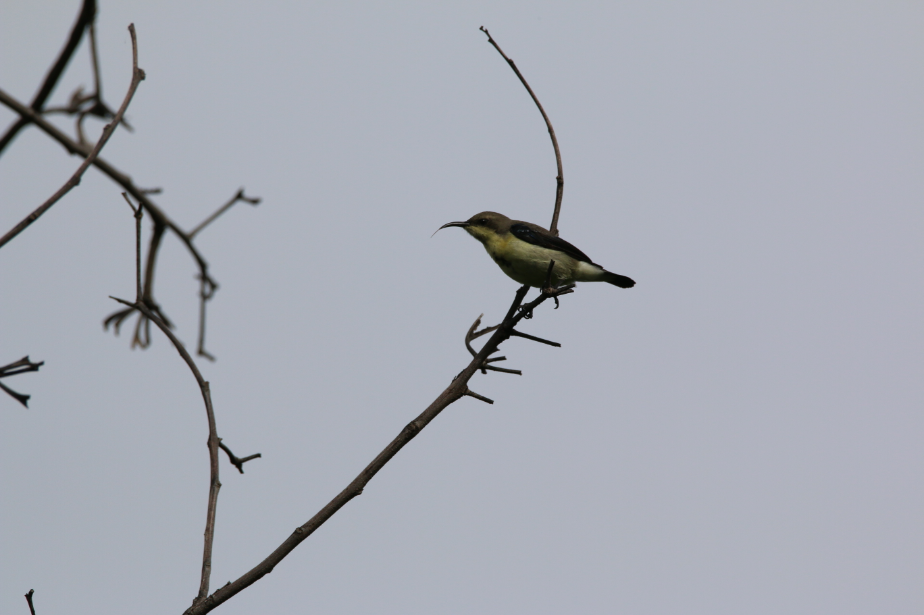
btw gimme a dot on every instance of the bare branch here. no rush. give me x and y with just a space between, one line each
18 367
457 389
240 196
142 335
207 288
138 213
237 462
137 77
209 285
214 483
84 18
560 179
94 61
29 600
471 335
534 338
114 174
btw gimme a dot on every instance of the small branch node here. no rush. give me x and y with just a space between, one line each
18 367
237 462
29 600
472 393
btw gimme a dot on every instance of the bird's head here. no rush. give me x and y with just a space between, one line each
483 225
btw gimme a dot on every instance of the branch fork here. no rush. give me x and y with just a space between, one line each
15 368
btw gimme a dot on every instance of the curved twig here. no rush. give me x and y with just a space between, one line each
137 77
560 179
214 483
471 335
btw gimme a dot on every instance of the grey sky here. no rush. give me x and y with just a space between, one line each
740 433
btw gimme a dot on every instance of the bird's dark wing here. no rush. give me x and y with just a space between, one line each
538 236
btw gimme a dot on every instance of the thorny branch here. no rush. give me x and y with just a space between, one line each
457 389
18 367
560 179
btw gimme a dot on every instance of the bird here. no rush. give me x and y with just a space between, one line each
523 250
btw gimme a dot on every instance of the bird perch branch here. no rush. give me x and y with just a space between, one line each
560 179
457 389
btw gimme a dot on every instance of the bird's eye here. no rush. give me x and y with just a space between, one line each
483 221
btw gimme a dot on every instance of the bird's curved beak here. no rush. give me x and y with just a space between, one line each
448 224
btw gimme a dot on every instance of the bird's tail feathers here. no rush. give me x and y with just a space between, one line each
618 280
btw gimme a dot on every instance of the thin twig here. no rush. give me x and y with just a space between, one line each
138 213
471 335
560 179
29 600
237 462
240 196
137 77
84 18
207 288
471 393
18 367
94 60
214 483
534 338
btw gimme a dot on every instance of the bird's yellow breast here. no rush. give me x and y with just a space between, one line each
522 261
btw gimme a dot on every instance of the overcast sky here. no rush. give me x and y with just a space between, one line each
739 433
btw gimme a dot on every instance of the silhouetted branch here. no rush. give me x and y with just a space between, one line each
471 335
137 77
18 367
29 600
84 18
534 338
560 179
237 462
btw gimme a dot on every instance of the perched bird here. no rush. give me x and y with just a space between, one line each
523 251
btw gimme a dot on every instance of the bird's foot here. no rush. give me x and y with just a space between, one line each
555 293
